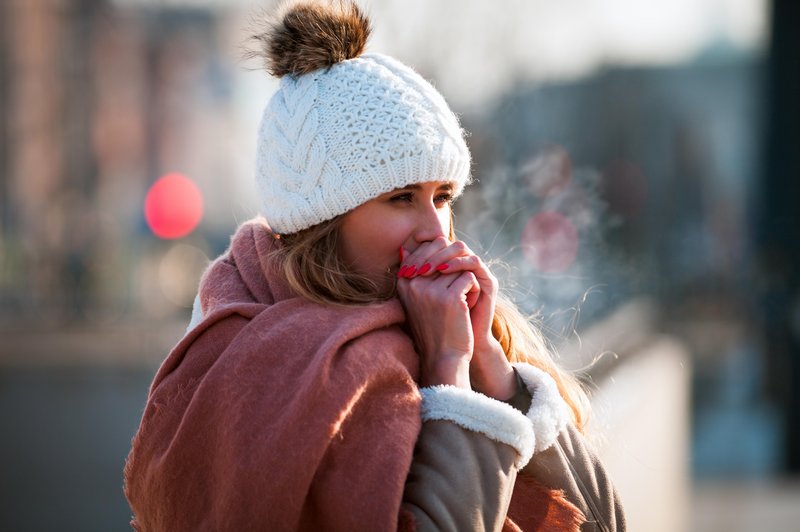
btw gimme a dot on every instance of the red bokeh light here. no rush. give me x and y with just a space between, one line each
173 206
550 242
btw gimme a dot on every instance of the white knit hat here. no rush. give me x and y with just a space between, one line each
337 136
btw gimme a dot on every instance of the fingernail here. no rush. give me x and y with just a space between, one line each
442 267
402 271
410 272
425 268
401 254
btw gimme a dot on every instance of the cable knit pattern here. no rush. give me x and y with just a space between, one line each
336 138
479 413
549 414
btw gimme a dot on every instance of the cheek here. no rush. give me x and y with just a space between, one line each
384 245
372 247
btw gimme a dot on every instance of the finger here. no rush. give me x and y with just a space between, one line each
472 263
473 291
415 261
463 263
487 281
473 296
435 261
463 285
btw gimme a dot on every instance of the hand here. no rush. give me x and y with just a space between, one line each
437 310
490 371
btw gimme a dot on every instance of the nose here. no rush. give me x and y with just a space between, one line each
432 222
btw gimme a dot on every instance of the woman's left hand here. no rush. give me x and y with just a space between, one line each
490 371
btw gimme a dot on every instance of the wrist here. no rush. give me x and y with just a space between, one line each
450 369
491 373
501 386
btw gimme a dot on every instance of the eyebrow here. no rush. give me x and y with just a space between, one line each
415 186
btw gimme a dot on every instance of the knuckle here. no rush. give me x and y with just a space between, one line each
459 245
440 241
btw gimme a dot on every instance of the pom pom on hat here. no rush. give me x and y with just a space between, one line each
308 35
345 126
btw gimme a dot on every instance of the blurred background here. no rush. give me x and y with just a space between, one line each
636 166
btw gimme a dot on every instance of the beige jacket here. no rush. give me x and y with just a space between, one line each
463 480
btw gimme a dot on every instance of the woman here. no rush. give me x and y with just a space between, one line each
352 369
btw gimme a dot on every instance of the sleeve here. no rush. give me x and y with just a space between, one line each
465 461
563 460
572 467
521 400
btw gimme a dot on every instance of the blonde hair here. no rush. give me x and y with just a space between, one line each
314 268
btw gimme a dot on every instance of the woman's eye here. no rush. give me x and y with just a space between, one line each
402 197
408 197
444 198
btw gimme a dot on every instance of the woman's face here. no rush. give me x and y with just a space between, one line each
371 235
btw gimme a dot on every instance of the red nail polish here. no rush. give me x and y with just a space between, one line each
402 271
410 272
401 254
442 267
425 268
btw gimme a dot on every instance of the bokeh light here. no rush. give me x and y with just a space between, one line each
173 206
550 242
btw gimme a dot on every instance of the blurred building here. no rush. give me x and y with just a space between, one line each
98 102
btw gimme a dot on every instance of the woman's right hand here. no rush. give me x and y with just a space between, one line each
437 309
